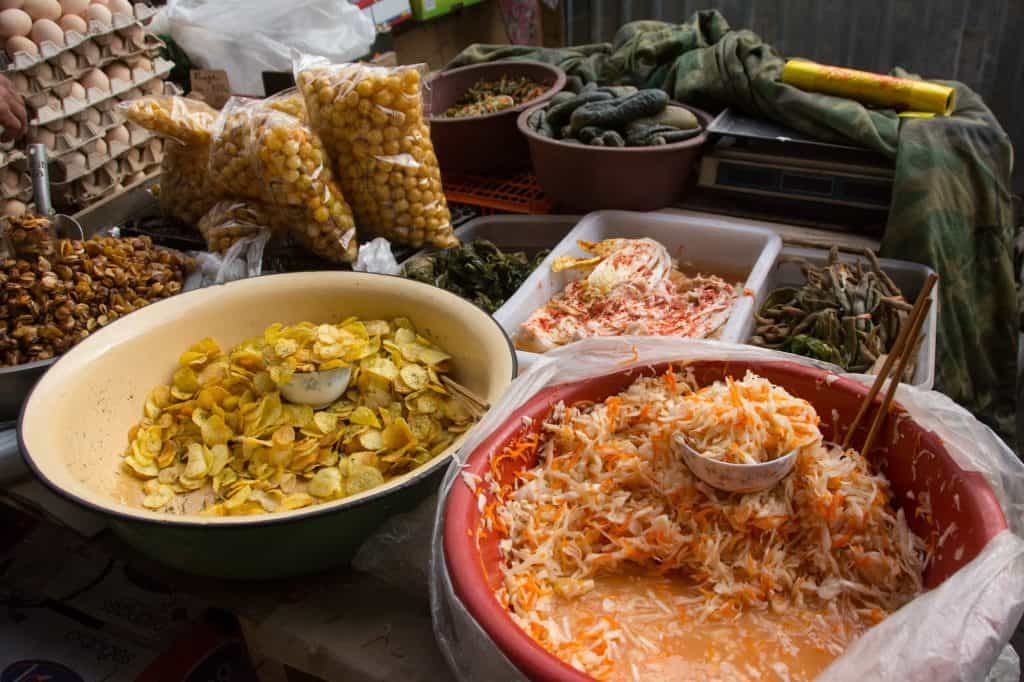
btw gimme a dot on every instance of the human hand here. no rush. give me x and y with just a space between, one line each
13 117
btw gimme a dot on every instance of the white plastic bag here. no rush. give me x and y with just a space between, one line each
375 256
248 37
956 631
242 260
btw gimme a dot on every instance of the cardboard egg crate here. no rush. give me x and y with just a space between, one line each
70 66
104 174
89 125
73 40
48 108
15 183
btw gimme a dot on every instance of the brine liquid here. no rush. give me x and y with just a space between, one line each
663 640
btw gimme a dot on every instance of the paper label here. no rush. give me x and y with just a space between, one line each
212 85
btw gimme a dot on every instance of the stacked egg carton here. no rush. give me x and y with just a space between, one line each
75 61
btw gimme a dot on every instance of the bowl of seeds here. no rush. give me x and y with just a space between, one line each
473 111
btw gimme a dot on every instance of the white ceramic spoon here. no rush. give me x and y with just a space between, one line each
734 478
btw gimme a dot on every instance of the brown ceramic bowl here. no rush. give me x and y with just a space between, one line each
489 142
964 504
74 425
584 178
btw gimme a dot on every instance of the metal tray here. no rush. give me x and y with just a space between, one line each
909 277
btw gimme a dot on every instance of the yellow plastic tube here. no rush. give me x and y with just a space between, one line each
870 88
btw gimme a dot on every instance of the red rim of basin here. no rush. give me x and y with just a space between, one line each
469 557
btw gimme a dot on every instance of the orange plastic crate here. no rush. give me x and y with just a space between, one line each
513 194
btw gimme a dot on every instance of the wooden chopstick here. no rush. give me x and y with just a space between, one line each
900 352
883 411
466 394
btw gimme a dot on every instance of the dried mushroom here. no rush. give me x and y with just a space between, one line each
52 302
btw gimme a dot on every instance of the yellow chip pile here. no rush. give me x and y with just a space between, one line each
290 103
263 154
371 119
222 431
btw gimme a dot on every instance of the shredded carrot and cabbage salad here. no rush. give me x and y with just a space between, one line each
810 563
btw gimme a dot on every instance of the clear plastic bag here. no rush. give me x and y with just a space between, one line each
956 631
261 153
371 121
188 121
231 220
242 260
248 37
184 188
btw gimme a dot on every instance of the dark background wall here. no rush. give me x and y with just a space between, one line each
978 42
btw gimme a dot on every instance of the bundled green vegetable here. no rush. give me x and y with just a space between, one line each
620 116
849 315
478 271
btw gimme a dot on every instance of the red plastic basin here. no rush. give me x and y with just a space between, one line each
913 459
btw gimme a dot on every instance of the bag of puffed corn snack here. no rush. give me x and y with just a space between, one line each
264 154
371 121
188 121
184 188
230 220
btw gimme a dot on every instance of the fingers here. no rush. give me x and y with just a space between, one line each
12 126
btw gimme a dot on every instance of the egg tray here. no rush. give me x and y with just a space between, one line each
67 168
72 66
73 39
101 180
119 90
22 191
110 119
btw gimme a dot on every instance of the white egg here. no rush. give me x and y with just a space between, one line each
118 71
118 134
15 208
20 82
90 52
11 179
77 91
121 7
16 44
96 79
143 63
43 71
46 30
99 2
92 116
74 6
43 9
43 136
73 22
68 62
99 14
11 4
74 159
14 22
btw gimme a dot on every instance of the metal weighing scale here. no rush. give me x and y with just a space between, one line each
758 158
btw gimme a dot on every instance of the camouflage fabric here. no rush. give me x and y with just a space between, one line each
951 205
